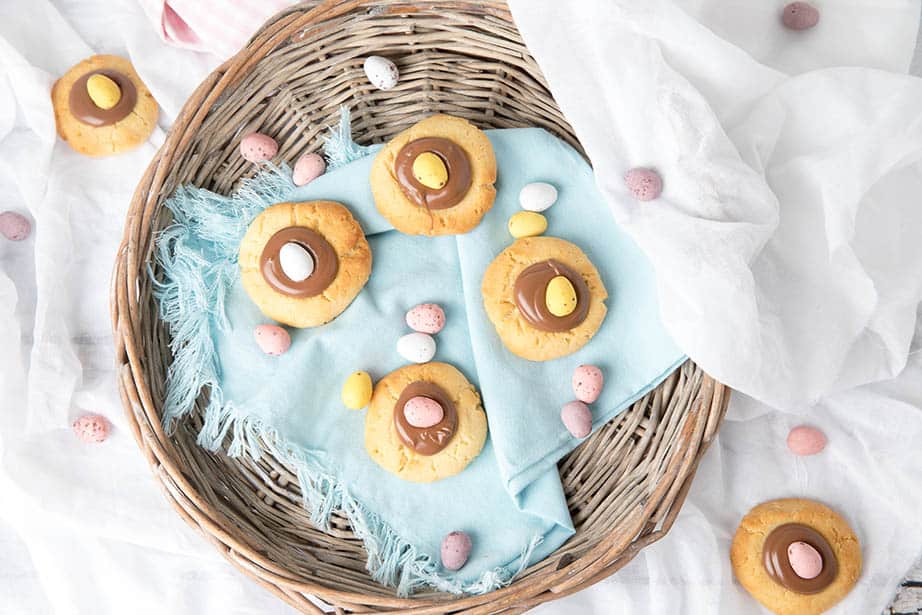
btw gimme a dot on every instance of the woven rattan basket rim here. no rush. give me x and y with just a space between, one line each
141 351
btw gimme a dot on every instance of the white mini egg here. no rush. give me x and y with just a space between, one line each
296 262
416 347
537 196
382 73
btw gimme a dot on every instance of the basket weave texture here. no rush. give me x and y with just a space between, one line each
624 485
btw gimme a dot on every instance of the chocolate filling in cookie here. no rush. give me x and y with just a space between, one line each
778 564
325 262
429 440
530 293
84 109
455 171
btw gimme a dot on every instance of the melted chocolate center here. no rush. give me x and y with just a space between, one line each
459 173
84 109
530 296
326 262
776 562
426 440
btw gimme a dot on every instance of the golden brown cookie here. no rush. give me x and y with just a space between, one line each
775 534
435 178
92 130
434 452
516 291
339 262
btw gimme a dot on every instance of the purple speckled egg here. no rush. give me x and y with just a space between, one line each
426 318
456 548
805 560
587 383
257 147
643 184
423 412
804 440
800 16
577 418
91 428
14 226
308 168
272 339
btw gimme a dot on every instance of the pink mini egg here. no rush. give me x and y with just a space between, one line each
426 318
806 562
91 428
577 418
643 184
14 226
804 440
456 548
587 383
423 412
257 147
800 16
272 339
308 168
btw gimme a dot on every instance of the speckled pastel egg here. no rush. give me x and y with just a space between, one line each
91 428
257 147
381 72
416 347
426 318
423 412
272 339
804 440
800 16
14 226
805 560
456 548
587 383
643 184
357 390
308 168
537 196
577 418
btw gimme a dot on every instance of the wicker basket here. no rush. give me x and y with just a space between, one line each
624 485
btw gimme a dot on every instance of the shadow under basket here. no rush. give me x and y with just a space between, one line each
624 485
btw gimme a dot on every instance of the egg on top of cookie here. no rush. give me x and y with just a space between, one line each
435 178
101 107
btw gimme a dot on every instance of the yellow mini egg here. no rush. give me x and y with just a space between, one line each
357 390
527 224
430 171
103 91
560 296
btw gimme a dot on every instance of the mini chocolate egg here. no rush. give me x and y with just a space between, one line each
416 347
296 262
804 440
560 296
577 418
587 383
527 224
257 147
272 339
537 196
456 548
357 390
800 16
14 226
430 170
423 412
426 318
91 428
103 91
308 168
643 184
381 72
805 560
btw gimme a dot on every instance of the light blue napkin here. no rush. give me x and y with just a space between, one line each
509 499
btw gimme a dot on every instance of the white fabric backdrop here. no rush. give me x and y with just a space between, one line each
98 532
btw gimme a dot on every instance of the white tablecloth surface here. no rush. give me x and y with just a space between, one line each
84 529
